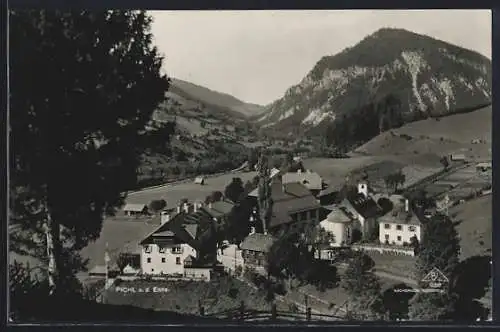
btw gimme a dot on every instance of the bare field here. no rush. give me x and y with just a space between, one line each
120 234
475 226
173 193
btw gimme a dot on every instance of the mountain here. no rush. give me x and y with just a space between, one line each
215 99
427 76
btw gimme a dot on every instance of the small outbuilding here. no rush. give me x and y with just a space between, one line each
200 180
457 157
135 209
483 167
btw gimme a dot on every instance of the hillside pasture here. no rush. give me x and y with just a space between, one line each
335 170
173 193
191 126
474 219
457 127
121 235
451 134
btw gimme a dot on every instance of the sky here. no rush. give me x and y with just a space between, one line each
257 55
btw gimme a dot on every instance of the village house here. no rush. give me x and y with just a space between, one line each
293 206
340 224
310 180
255 248
219 211
135 209
176 244
399 225
364 210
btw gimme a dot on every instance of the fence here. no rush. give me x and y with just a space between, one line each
242 313
381 249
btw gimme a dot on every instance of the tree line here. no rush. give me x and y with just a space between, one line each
360 125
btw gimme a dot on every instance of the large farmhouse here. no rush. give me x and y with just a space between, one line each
293 206
182 240
398 226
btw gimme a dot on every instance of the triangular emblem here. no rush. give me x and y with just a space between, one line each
435 278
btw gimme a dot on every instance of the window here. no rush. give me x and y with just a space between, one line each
148 260
163 259
387 226
387 237
303 215
399 227
148 249
176 250
162 250
399 238
178 260
412 229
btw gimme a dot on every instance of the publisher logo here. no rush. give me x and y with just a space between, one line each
435 279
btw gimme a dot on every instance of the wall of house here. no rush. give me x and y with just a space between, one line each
342 232
166 262
197 273
396 236
253 258
307 216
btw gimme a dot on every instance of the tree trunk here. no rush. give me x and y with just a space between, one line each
52 232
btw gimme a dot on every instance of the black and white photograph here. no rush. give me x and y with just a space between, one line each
249 167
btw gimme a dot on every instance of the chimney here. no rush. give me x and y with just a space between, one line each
407 205
178 209
210 205
195 207
165 217
186 207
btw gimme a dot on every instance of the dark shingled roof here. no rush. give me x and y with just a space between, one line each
182 228
294 198
219 209
257 242
365 206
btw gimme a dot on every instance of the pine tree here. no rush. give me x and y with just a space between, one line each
362 285
83 88
439 248
265 202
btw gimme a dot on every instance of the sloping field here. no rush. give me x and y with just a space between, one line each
173 193
475 227
458 127
334 171
451 134
192 126
120 235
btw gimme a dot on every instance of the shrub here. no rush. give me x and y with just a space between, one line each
293 308
238 271
233 293
157 205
